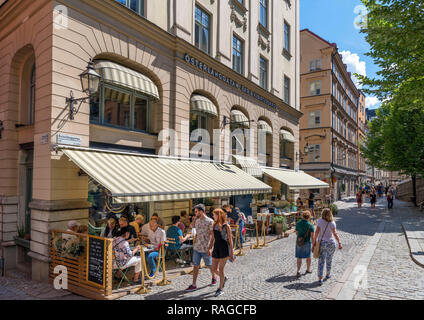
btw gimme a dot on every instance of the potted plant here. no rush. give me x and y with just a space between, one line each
23 237
208 203
280 224
334 209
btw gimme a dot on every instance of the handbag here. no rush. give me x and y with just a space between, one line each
317 248
301 240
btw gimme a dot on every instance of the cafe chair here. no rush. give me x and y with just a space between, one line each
117 268
176 253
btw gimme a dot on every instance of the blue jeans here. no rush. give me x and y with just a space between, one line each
241 226
151 260
198 256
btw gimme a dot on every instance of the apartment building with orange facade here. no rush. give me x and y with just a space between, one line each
329 125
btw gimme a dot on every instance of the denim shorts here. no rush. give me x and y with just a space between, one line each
304 251
197 257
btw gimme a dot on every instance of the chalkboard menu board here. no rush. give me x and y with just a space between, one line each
96 260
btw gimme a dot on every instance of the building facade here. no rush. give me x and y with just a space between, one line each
365 176
328 127
168 68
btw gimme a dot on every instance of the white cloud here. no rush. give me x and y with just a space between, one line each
371 102
354 65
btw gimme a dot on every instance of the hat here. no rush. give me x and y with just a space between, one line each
72 224
200 206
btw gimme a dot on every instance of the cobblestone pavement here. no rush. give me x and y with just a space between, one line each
18 286
269 273
392 274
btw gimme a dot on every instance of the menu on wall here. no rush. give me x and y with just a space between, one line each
96 260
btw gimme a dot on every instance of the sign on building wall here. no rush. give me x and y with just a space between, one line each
68 139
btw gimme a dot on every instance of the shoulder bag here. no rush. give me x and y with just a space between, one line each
301 240
317 249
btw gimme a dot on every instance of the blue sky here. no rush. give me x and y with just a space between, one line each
334 20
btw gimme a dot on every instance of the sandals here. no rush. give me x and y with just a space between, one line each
298 275
308 272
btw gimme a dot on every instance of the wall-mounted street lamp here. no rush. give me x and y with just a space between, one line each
306 150
90 80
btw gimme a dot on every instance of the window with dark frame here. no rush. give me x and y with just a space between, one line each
237 55
135 5
263 13
286 90
263 73
286 37
202 30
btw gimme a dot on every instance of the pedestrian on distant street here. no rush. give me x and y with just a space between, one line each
305 232
373 197
326 233
359 198
390 199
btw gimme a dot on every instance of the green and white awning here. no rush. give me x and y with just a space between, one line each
202 104
263 125
286 135
114 73
238 116
295 180
249 165
140 178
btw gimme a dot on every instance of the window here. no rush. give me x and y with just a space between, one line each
237 55
286 36
314 119
263 73
263 13
201 32
314 154
334 89
198 121
135 5
315 88
31 107
121 108
316 65
334 120
286 90
286 149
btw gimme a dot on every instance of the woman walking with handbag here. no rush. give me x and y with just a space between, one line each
326 246
305 232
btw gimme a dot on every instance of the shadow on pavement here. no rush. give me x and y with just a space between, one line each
303 286
281 278
170 294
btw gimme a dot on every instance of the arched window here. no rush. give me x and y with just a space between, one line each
239 122
264 143
287 141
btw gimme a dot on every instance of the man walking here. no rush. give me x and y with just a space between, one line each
390 199
204 234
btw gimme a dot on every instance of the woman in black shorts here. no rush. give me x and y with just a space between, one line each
222 247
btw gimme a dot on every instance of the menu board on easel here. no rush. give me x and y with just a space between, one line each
96 260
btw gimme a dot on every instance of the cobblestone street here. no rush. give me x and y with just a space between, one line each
269 273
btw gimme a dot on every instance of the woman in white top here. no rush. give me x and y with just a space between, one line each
326 233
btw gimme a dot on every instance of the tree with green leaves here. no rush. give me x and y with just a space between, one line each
395 31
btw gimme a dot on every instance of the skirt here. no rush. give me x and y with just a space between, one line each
304 251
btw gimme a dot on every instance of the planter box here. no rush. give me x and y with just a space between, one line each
22 242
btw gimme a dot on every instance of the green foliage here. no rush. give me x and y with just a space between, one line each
281 219
395 32
208 202
334 209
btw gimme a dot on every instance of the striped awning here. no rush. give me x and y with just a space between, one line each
200 103
295 180
263 125
238 116
114 73
248 165
287 135
141 178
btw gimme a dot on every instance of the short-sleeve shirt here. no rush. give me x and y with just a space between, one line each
146 231
157 237
311 199
328 235
175 233
203 229
302 228
122 251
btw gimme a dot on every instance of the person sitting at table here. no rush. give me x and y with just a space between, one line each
124 256
184 218
123 224
72 227
111 229
157 236
176 233
299 203
146 230
82 229
137 223
180 224
159 220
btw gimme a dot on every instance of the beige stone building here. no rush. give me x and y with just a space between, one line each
167 68
364 174
328 127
